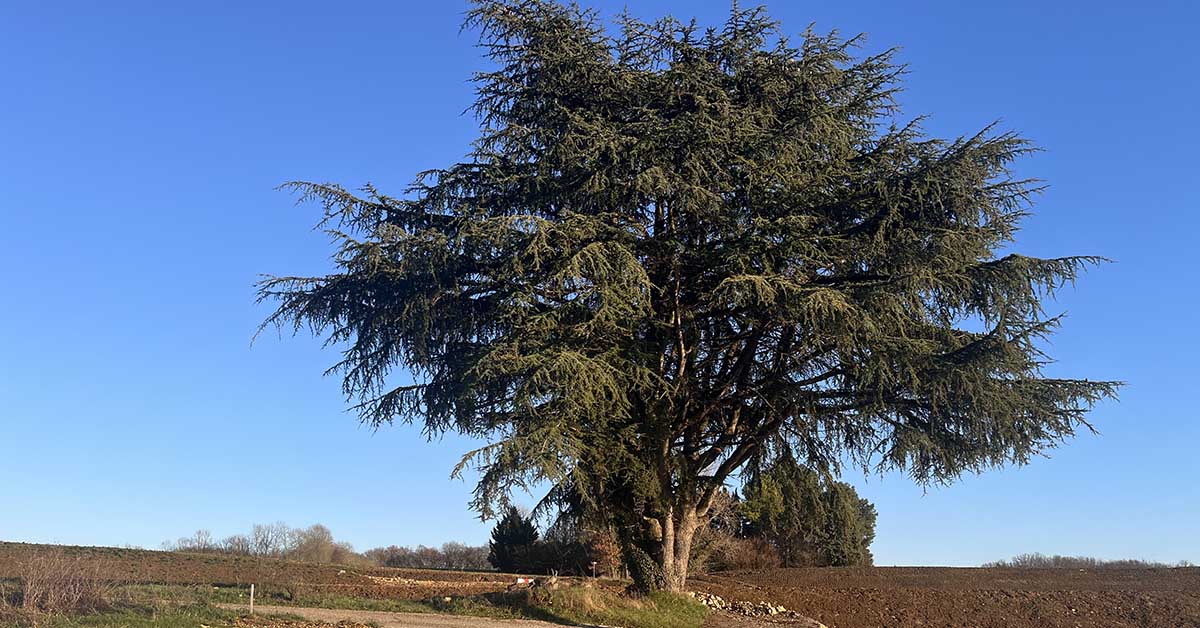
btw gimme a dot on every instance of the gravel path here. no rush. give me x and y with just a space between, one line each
391 620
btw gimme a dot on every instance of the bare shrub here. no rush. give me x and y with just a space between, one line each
11 613
15 617
742 553
56 583
605 549
713 540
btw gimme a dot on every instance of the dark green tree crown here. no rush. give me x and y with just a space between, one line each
809 518
673 249
512 540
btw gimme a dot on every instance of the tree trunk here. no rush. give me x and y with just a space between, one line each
677 549
669 541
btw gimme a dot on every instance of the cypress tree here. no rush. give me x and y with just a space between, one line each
672 250
513 540
808 519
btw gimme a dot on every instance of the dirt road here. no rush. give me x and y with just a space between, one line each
391 620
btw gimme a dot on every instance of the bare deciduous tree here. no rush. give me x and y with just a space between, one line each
270 539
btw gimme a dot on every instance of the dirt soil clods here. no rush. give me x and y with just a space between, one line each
939 597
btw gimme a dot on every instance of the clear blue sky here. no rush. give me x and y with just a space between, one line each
140 143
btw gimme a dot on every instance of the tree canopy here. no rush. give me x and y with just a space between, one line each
673 251
808 518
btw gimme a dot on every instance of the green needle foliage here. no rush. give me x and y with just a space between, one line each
512 542
809 519
673 250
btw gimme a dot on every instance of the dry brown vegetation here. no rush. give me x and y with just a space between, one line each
259 621
54 582
736 553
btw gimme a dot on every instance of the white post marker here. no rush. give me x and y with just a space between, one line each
252 599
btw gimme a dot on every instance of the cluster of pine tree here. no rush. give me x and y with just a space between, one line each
809 519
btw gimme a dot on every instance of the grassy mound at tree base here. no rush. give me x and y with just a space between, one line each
584 605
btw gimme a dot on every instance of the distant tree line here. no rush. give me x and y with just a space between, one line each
316 544
452 555
1041 561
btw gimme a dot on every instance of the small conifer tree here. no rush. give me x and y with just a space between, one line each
513 542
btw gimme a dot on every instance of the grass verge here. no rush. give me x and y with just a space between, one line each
178 617
122 617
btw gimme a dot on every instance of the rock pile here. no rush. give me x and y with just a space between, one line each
748 609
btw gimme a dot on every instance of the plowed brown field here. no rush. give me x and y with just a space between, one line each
936 597
149 567
879 597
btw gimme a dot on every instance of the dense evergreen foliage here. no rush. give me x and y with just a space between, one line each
674 251
512 542
809 519
565 549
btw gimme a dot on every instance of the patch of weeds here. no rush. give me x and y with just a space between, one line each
178 617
